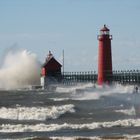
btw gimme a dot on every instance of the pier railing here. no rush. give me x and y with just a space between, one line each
71 77
126 77
118 76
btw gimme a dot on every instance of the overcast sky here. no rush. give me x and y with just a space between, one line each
72 25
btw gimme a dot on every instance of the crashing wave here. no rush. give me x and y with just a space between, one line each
55 127
35 113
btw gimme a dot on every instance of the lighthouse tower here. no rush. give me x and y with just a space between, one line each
104 56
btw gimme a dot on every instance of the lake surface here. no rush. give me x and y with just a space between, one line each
84 110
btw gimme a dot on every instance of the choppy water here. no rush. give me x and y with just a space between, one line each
70 112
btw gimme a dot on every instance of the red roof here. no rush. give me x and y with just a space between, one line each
52 64
104 28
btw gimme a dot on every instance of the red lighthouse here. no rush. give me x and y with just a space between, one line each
104 56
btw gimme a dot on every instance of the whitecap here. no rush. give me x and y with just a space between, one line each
55 127
131 111
35 113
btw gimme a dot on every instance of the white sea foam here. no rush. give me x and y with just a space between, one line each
130 112
124 137
98 92
19 69
59 99
75 138
133 137
35 113
72 89
54 127
90 91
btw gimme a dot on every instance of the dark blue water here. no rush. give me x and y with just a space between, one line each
70 111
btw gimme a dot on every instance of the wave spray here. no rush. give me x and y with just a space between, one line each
19 69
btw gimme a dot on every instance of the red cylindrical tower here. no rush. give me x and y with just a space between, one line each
104 56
